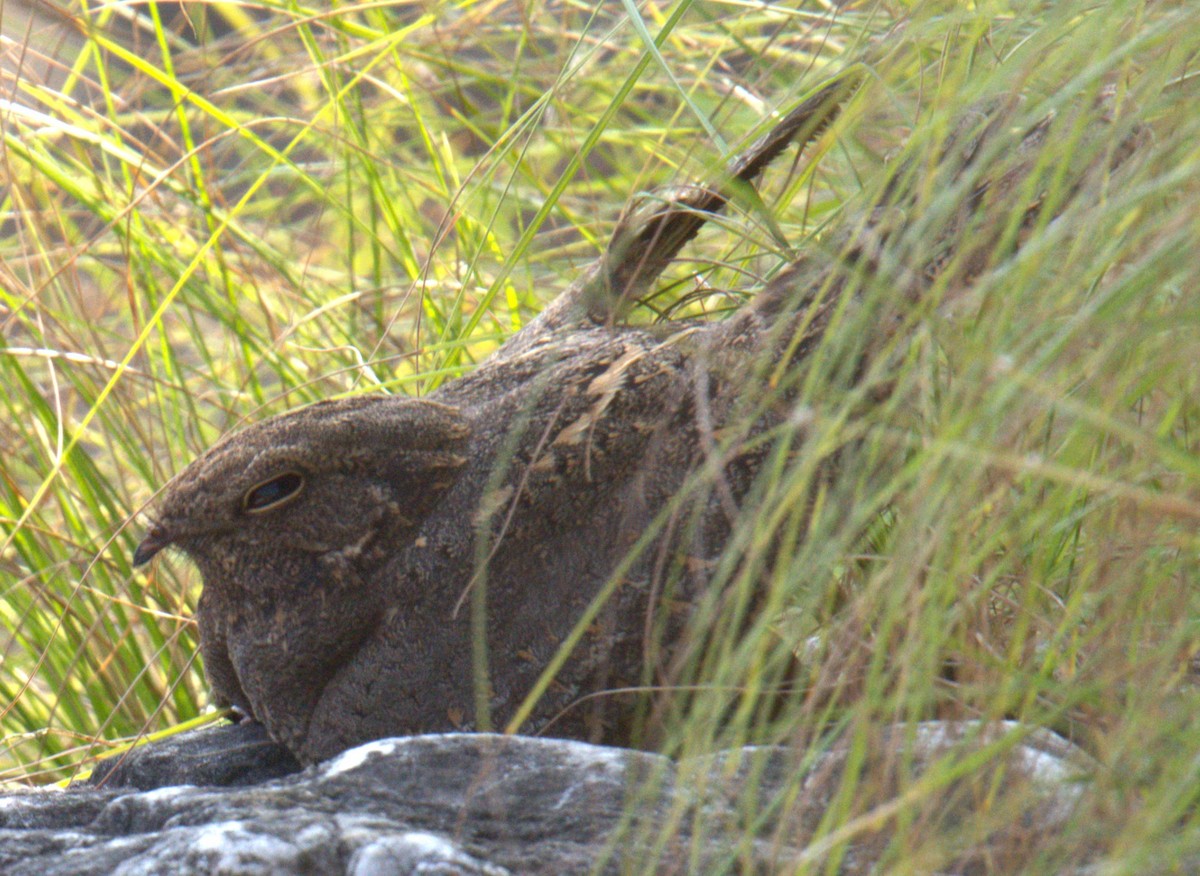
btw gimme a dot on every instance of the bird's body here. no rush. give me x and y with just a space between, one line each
379 565
347 547
341 611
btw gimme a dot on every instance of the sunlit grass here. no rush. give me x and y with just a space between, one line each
996 520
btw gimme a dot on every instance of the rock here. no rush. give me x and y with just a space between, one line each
240 754
484 805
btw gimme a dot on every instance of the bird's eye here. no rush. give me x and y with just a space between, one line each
273 493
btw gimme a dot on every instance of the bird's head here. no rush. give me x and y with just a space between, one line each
326 478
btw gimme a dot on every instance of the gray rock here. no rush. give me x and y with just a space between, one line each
486 805
238 754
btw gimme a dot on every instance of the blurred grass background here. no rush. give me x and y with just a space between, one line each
212 212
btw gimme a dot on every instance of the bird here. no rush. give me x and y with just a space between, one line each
526 546
342 545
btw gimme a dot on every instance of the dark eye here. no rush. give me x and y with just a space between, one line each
274 492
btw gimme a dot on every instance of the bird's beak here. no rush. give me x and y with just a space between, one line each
156 539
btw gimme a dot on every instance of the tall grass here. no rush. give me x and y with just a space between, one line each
998 519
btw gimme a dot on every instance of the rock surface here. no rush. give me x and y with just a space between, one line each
238 754
483 804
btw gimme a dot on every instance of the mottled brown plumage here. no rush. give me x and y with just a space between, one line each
339 543
342 544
